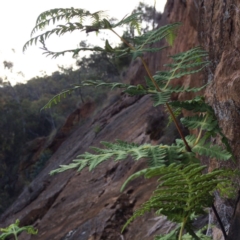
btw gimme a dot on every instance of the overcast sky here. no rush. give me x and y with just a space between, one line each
17 19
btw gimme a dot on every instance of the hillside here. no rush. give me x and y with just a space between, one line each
89 206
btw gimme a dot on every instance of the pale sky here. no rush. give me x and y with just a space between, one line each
17 19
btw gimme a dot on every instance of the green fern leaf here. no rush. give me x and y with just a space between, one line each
128 20
157 155
186 63
226 143
169 236
54 15
182 191
207 122
176 111
171 36
196 104
132 177
160 98
199 235
213 151
130 89
178 89
156 35
119 150
56 99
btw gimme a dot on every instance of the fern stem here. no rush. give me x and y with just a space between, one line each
171 76
188 148
159 90
200 132
123 40
150 75
182 228
168 107
219 221
15 234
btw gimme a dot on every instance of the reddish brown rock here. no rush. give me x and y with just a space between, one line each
87 205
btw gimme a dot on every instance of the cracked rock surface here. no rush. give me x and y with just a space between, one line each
89 205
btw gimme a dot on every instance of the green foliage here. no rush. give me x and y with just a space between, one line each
156 35
98 22
190 58
55 99
119 151
172 235
157 155
183 190
15 230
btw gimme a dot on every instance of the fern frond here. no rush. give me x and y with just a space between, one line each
59 30
169 236
132 177
214 151
132 19
130 89
58 14
171 36
163 97
119 150
178 89
162 77
98 17
160 98
182 191
67 14
57 98
74 52
196 104
204 148
191 139
227 189
99 83
138 52
80 15
187 63
157 155
205 122
168 155
156 35
177 112
226 143
199 235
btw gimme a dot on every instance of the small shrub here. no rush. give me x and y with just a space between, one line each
184 190
15 230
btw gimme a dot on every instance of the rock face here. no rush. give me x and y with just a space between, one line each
89 206
218 34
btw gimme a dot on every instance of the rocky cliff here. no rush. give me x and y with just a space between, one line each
89 205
